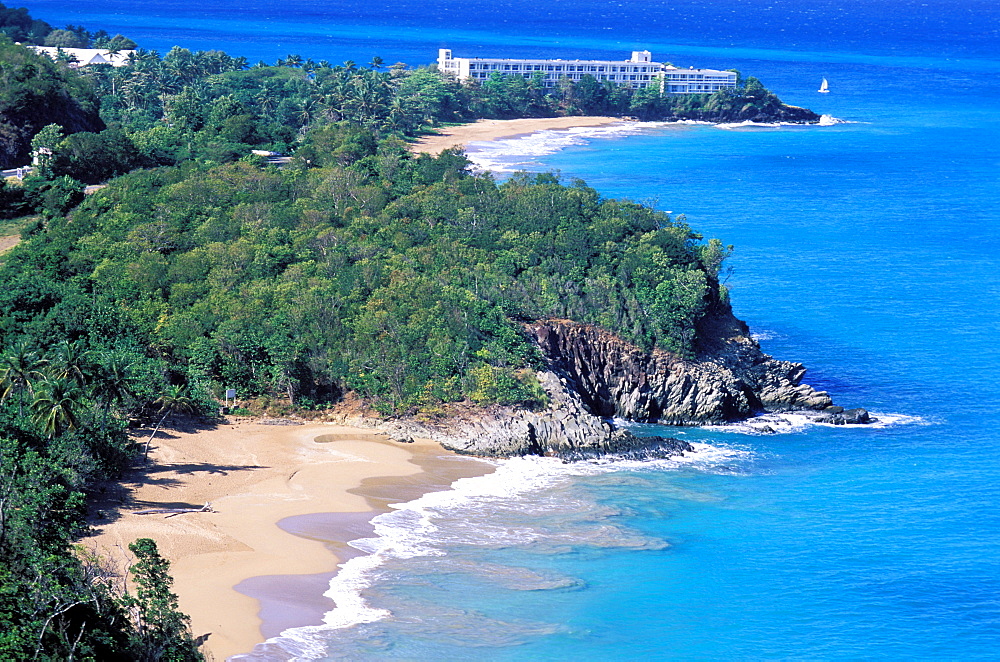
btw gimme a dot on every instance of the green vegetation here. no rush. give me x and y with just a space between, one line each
34 92
62 429
399 278
356 267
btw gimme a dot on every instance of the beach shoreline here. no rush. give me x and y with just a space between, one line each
285 502
485 130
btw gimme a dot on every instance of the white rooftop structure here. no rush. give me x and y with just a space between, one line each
86 56
638 72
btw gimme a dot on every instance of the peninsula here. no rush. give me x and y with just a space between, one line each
355 279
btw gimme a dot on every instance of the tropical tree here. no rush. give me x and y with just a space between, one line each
55 407
163 632
20 368
112 383
70 363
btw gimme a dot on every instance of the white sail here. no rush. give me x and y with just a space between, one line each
824 86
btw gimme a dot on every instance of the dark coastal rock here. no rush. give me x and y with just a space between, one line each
594 377
843 417
731 380
566 429
627 446
772 113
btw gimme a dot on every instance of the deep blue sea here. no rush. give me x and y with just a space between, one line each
868 250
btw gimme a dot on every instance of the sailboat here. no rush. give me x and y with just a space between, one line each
824 87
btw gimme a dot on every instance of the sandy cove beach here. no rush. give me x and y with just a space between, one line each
462 135
329 479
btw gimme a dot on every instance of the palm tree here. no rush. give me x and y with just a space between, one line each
377 62
112 383
55 407
267 97
69 362
175 400
20 368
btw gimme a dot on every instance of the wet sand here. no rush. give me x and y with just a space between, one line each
287 499
462 135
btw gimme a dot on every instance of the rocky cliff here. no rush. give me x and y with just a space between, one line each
731 379
594 376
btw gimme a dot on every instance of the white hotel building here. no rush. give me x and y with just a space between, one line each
639 71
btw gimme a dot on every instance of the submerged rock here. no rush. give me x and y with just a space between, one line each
840 416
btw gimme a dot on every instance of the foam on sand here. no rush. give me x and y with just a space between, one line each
527 502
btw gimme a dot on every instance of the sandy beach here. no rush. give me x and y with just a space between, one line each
321 481
460 136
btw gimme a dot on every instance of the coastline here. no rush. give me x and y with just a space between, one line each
483 130
286 501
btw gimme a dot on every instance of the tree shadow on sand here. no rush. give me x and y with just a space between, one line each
111 499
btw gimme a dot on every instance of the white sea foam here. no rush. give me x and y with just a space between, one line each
507 155
524 490
466 515
824 120
785 423
753 125
520 153
765 335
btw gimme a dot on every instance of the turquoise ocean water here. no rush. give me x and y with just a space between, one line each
868 250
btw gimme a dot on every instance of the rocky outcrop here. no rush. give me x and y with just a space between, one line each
731 380
841 416
594 377
770 114
564 429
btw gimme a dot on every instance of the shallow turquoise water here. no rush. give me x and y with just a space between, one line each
867 250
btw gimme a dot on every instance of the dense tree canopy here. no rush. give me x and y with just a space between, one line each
393 276
35 92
